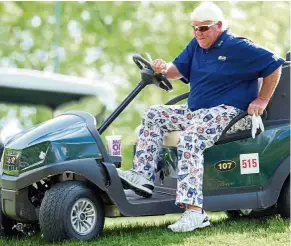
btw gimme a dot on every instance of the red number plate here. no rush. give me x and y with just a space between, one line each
249 163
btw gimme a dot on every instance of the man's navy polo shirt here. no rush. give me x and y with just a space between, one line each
226 73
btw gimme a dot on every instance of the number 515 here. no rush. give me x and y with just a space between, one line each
249 163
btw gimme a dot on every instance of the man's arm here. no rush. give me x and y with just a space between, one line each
172 72
269 85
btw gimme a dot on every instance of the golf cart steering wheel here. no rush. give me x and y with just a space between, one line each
158 79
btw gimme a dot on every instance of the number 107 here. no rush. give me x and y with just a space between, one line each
225 165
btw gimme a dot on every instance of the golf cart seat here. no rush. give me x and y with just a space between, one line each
288 56
280 99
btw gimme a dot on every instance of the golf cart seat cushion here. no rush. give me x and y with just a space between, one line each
171 138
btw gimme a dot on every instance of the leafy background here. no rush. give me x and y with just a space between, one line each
97 40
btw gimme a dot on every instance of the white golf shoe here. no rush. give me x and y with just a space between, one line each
136 182
189 221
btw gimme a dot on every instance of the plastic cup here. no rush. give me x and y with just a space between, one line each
114 145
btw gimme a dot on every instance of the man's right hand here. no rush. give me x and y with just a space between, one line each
169 70
159 66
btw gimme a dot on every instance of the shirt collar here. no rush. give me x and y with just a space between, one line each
221 39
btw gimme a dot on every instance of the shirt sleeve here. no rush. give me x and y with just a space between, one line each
184 60
260 60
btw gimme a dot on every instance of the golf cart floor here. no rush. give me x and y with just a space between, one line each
157 196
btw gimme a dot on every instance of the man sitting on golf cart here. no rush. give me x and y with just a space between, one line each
223 73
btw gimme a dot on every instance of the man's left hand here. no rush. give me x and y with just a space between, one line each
257 106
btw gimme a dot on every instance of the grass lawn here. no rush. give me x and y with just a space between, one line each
152 231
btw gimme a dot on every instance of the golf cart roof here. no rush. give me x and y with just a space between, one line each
25 86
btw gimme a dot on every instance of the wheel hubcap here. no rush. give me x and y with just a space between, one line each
83 216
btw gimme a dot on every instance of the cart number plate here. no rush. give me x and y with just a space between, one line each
249 163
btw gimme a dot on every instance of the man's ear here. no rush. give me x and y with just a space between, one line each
219 24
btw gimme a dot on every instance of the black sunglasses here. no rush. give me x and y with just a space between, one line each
203 28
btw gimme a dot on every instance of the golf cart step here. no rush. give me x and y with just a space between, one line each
159 204
156 197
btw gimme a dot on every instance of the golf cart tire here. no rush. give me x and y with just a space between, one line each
6 225
284 200
271 211
56 207
233 214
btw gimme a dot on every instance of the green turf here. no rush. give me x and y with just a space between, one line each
152 231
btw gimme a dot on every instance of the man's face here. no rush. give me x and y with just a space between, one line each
207 38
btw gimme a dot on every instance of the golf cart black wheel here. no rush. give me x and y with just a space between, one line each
233 214
70 210
267 212
284 200
6 224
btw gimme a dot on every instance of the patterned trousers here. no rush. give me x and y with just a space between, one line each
201 129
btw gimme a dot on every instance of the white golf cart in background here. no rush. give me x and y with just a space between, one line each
27 87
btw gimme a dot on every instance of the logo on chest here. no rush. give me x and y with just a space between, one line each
222 58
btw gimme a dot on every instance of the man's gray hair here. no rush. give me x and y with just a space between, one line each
208 11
